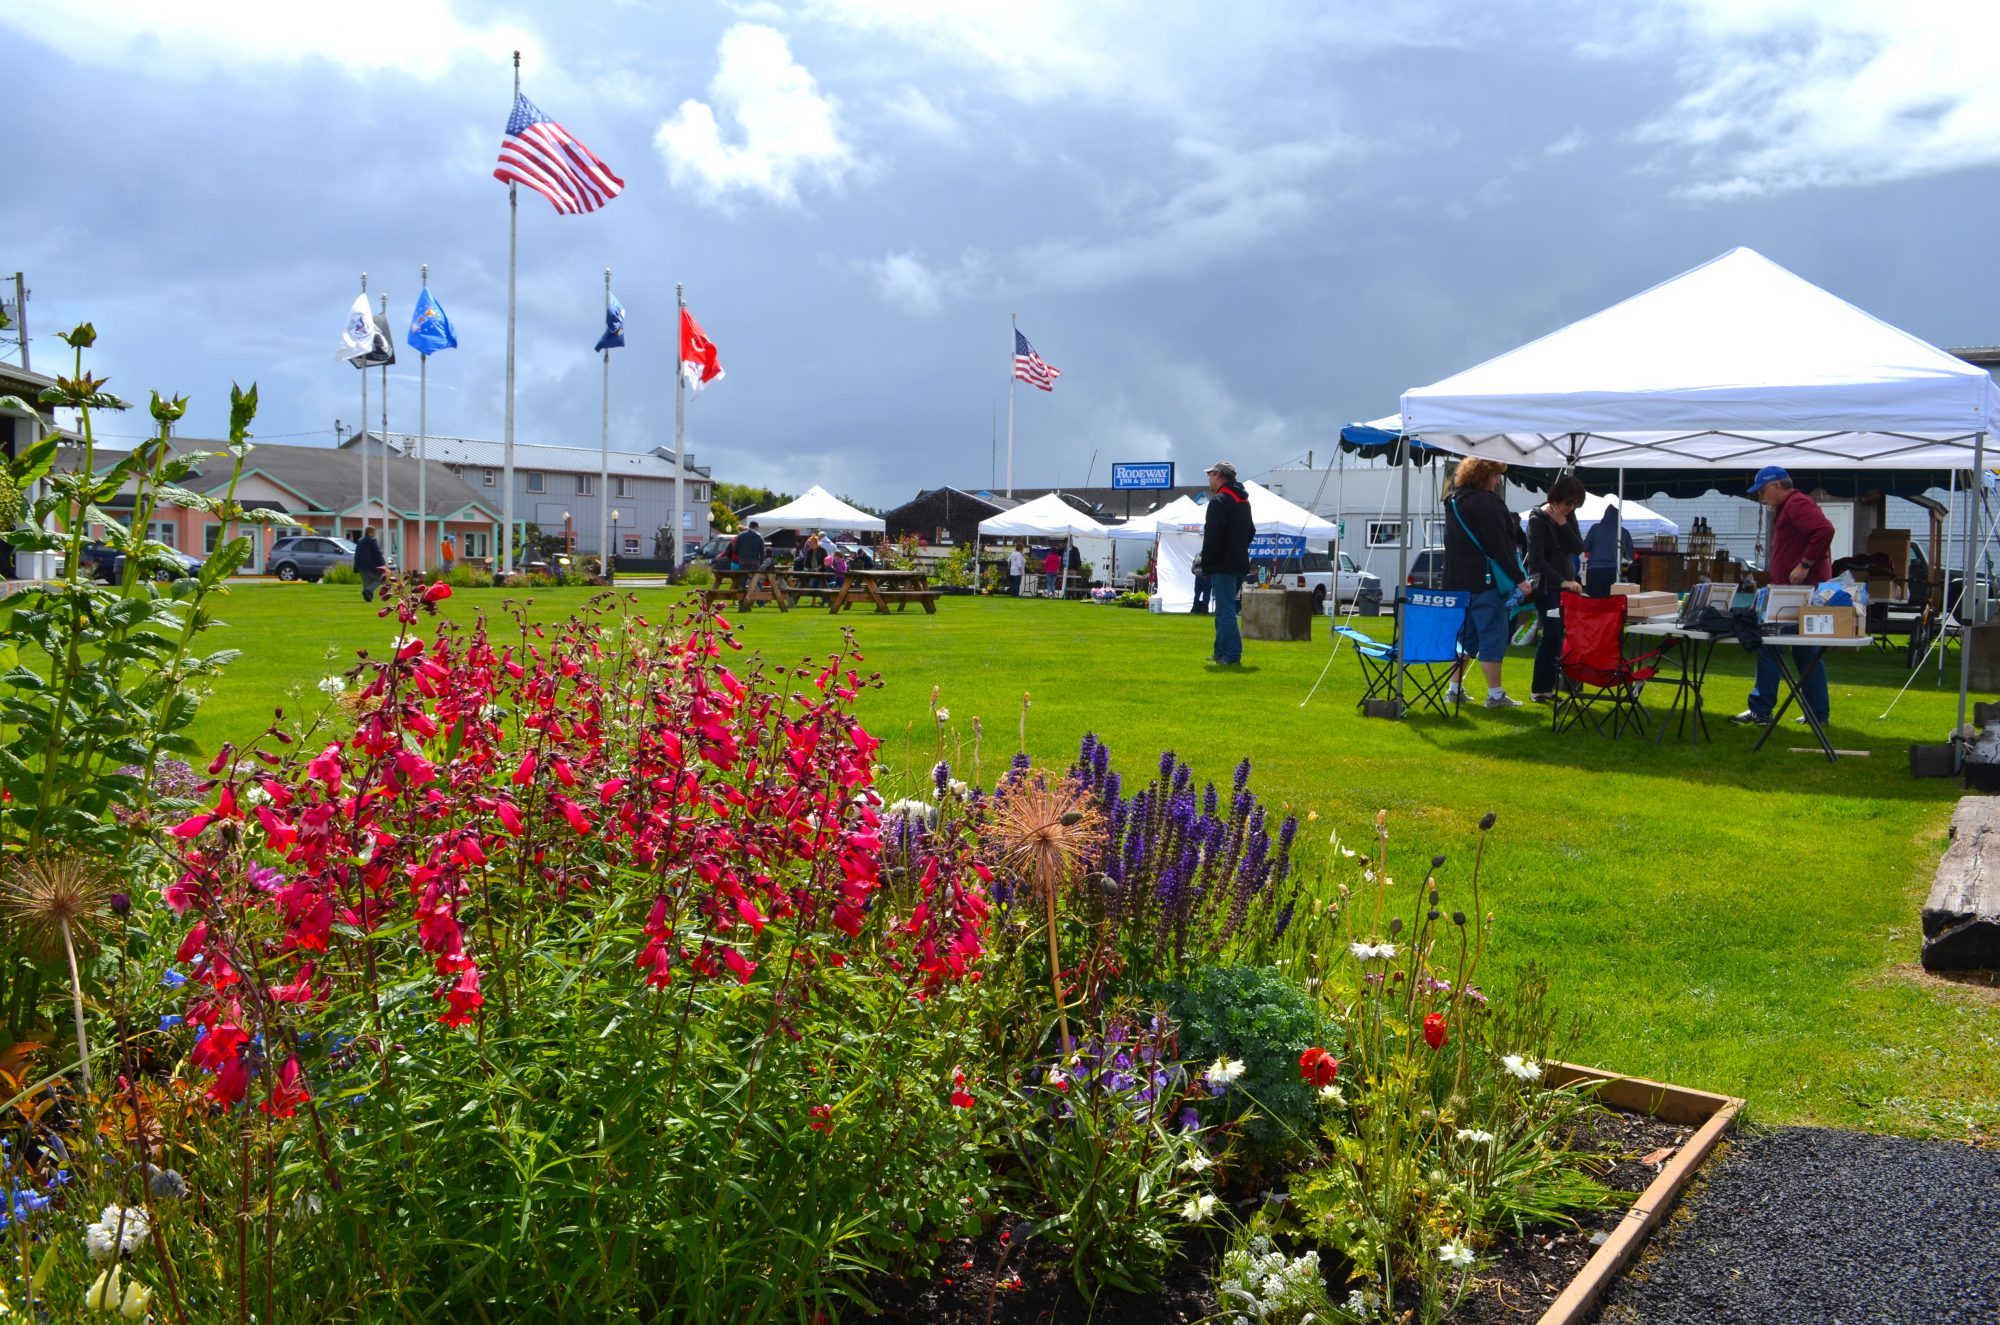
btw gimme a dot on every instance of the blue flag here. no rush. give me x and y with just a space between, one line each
614 327
430 329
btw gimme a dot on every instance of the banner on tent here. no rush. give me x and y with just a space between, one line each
1142 475
1278 545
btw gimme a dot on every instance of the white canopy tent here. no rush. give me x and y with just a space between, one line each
1047 516
818 509
1178 528
1734 365
1147 527
1639 521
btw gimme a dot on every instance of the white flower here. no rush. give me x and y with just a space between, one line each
254 794
1363 1301
1475 1135
111 1236
1456 1254
1198 1162
1369 952
1518 1066
942 715
958 789
1331 1095
333 685
1224 1071
1200 1208
912 811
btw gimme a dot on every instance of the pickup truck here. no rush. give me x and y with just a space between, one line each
1315 571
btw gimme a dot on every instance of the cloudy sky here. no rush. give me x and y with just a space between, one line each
1233 228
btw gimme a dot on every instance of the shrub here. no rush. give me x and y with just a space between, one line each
698 575
469 577
340 574
1253 1013
1259 1282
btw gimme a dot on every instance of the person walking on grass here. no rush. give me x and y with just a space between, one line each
1225 557
369 564
1480 559
1801 537
1553 547
1017 567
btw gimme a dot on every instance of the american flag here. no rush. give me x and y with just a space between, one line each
1030 367
540 153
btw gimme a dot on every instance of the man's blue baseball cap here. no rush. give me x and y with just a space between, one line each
1768 474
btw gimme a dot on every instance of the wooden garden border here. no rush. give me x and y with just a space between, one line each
1656 1099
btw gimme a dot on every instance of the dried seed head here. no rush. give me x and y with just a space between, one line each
43 896
1437 862
1436 914
1486 821
1458 918
1396 925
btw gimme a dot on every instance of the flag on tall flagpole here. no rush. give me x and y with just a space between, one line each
430 329
357 338
614 326
700 362
1030 367
541 154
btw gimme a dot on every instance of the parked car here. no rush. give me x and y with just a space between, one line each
169 565
1427 570
308 557
1315 571
100 561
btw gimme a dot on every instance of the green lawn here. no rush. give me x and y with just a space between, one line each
1738 922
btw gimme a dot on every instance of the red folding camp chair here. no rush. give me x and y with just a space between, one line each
1601 684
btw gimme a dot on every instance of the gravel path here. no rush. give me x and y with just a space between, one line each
1806 1226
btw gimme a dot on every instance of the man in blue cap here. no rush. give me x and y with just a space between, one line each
1801 537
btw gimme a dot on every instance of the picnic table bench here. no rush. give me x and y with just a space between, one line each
819 585
744 587
883 587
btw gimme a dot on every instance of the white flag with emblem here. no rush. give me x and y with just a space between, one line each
358 337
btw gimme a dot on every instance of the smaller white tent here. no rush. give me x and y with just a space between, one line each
1047 516
1147 526
818 509
1640 521
1180 538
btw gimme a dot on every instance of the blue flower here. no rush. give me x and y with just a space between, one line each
172 980
168 1023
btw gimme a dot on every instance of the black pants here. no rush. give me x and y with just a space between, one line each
1013 586
1200 607
1548 653
371 584
1597 584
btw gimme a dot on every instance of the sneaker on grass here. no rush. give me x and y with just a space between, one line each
1502 700
1748 718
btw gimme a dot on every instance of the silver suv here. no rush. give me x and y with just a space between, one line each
308 558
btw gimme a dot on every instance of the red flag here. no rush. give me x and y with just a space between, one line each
700 363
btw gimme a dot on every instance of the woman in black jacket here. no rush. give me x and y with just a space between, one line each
1554 543
1479 537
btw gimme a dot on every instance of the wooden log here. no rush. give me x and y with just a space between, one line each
1962 916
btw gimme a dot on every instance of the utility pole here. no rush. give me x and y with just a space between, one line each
21 316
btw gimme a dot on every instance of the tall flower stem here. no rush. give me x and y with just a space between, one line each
1048 885
76 1003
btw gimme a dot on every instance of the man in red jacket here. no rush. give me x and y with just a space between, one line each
1801 537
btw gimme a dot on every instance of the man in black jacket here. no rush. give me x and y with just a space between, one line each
368 563
1225 556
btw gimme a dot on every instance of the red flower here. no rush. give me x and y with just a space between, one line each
437 593
289 1092
822 1118
1318 1067
960 1097
1435 1034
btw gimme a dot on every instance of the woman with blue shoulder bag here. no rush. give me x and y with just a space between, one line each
1480 558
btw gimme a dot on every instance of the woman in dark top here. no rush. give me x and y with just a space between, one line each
1554 543
1479 536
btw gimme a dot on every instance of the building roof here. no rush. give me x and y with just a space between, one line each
328 481
985 499
1109 500
469 451
1986 356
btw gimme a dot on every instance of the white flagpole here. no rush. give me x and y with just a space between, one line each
361 436
604 452
677 542
1013 339
506 562
423 428
386 509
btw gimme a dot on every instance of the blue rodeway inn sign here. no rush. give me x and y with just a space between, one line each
1150 474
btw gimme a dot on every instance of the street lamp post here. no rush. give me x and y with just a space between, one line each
614 545
569 538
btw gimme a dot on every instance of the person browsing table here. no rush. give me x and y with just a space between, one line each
1480 559
1801 537
1553 547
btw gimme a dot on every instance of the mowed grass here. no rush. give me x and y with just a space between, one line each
1736 922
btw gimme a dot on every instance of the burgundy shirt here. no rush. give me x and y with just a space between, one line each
1801 536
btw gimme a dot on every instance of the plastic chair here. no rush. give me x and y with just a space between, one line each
1603 684
1428 622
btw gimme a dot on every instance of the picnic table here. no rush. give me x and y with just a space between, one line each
746 587
883 587
795 584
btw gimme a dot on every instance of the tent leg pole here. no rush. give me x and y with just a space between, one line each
1968 591
1402 574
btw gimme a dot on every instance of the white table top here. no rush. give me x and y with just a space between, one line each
1666 627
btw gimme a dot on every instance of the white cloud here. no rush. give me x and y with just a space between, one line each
789 131
421 38
903 280
1566 144
918 112
1794 94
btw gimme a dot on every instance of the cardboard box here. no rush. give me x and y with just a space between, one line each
1644 606
1624 588
1829 622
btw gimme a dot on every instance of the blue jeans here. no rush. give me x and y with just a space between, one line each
1222 591
1810 664
1200 607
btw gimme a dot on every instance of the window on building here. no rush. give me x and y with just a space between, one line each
161 531
534 478
476 544
211 538
698 492
488 479
624 486
1385 533
631 546
1436 533
585 485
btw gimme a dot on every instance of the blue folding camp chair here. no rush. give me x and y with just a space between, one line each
1427 628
